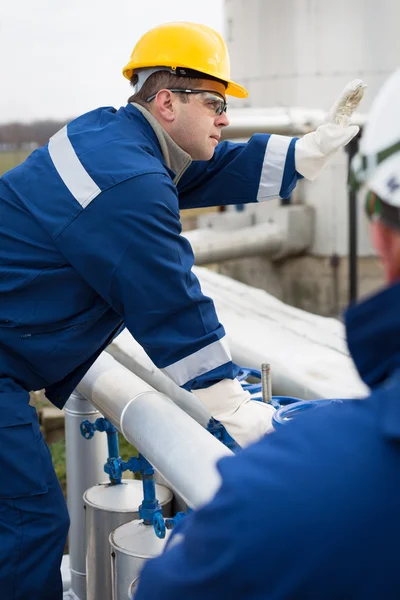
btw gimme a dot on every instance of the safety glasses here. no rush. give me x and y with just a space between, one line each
211 99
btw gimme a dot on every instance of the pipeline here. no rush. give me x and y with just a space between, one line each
210 245
244 122
179 448
132 356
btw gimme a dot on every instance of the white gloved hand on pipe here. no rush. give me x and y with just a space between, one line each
314 149
244 419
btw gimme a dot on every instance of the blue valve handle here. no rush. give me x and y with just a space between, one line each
87 429
159 525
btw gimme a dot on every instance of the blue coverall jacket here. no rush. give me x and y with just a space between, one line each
312 511
91 243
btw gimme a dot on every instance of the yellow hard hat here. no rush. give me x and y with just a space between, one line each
185 45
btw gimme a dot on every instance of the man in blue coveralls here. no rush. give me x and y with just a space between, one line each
90 243
311 512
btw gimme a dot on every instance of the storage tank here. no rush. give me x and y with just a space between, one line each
131 545
107 507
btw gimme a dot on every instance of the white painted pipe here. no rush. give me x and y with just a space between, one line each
182 451
245 122
212 245
308 353
132 356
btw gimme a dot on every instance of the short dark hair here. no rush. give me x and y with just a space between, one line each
163 80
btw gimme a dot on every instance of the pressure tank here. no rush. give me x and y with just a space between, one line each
107 507
131 545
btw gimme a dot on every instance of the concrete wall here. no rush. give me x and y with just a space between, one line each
316 284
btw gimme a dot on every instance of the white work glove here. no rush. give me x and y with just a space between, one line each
314 149
244 419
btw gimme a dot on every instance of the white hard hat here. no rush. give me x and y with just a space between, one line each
378 162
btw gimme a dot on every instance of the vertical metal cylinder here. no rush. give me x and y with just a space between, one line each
131 545
85 467
266 382
108 507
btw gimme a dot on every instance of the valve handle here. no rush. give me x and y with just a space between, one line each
159 525
87 430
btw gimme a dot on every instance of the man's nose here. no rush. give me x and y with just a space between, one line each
222 120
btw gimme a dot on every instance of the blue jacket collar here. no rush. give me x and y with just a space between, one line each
373 335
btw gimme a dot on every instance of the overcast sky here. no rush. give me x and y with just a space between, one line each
60 58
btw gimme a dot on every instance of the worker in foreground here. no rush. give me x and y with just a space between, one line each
311 512
91 244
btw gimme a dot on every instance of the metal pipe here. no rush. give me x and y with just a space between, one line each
266 382
211 245
245 122
85 468
112 443
352 149
182 451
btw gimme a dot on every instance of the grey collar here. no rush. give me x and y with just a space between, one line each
175 158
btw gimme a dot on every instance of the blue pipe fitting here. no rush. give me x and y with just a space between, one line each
293 409
114 470
170 523
112 467
252 388
150 505
150 509
88 430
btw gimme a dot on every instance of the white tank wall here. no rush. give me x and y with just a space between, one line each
302 53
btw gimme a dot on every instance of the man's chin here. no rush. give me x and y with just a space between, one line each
204 155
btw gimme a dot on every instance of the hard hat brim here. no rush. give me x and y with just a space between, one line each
233 88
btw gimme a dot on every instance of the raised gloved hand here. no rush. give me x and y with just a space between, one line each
314 149
244 419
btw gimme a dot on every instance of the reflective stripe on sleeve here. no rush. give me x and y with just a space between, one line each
273 167
208 358
71 170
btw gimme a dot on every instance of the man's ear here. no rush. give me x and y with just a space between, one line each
379 237
383 238
386 241
165 105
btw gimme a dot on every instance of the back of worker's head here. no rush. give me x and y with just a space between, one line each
377 168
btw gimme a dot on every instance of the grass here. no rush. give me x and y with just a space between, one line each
9 160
